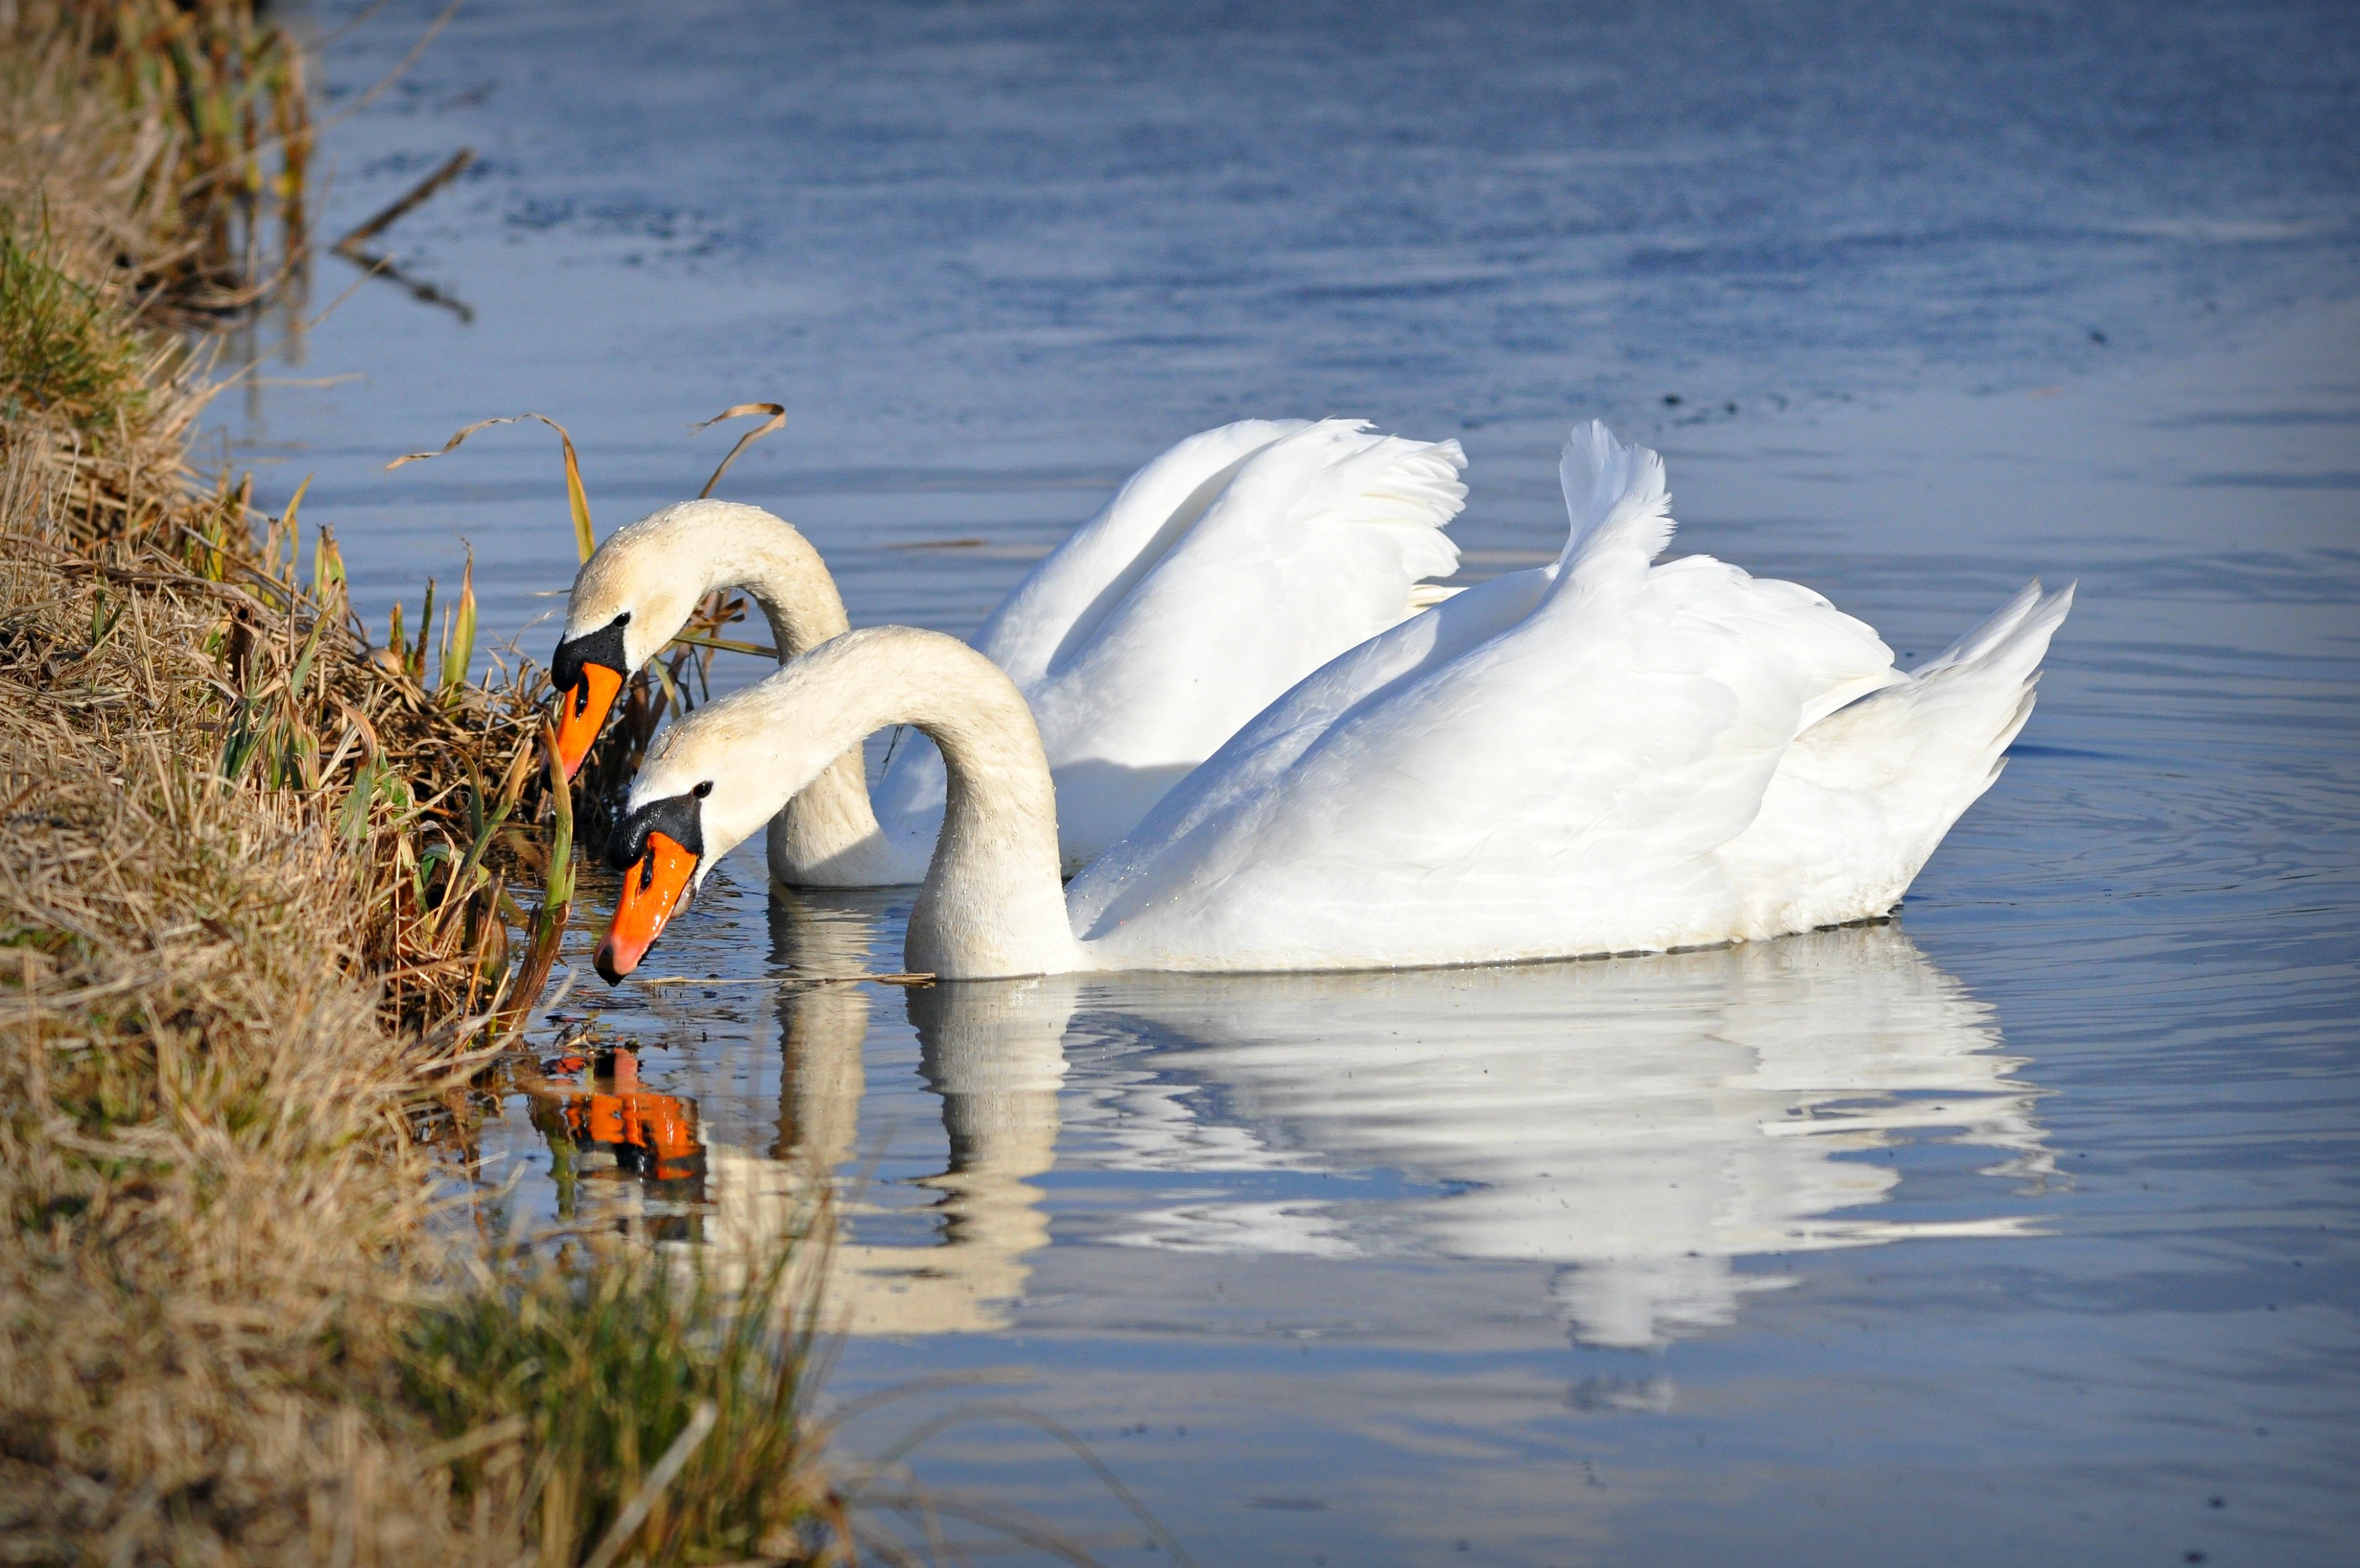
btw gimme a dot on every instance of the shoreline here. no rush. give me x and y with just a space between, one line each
261 893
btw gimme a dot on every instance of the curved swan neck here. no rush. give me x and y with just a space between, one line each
775 565
658 568
992 904
724 546
777 568
832 823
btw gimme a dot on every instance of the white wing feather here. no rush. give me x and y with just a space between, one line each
1061 599
1558 781
1310 546
1308 551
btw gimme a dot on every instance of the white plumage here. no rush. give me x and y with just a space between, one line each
1155 630
1219 574
1600 754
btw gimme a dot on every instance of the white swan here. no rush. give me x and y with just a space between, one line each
1220 574
1597 755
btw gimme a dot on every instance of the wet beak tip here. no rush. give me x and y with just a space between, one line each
605 962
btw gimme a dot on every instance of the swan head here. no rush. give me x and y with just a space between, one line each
711 781
658 846
631 597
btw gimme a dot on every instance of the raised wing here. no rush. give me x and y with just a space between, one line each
1309 549
1061 600
1560 786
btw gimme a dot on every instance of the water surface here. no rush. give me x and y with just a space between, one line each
2021 1229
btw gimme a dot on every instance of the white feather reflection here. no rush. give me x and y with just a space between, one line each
1641 1122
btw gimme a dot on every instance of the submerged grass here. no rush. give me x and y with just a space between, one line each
260 888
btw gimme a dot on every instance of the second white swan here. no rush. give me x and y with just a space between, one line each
1596 755
1220 573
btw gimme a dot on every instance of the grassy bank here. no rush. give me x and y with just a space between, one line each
269 900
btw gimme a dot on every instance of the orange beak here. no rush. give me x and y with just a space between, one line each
652 890
582 713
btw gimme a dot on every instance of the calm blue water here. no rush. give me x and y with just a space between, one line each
2025 1230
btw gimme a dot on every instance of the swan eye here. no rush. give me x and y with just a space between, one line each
622 620
702 790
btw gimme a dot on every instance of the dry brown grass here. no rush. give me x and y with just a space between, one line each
213 1200
255 914
177 135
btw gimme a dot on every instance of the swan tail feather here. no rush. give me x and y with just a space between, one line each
1864 797
1616 502
1922 751
1989 633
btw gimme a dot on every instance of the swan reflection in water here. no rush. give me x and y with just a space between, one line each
993 1053
1639 1123
589 1105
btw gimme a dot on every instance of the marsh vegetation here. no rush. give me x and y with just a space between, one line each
272 895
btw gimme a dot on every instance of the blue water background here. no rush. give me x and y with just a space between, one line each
2026 1232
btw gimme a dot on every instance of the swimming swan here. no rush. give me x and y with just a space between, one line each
1597 755
1222 574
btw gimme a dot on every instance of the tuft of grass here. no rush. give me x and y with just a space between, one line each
257 897
212 1199
65 353
634 1400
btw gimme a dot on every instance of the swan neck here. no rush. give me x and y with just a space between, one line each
992 904
831 824
778 569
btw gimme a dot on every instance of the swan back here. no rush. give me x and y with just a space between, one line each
1552 775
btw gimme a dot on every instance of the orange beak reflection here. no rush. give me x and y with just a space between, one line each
582 713
652 890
